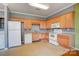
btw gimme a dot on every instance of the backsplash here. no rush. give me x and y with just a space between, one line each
51 30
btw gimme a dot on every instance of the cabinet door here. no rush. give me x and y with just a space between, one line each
64 40
43 25
27 24
69 20
48 24
62 21
58 22
35 36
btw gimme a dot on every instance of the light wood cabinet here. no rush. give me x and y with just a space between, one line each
66 20
48 25
40 36
35 36
27 24
62 21
65 40
69 20
43 25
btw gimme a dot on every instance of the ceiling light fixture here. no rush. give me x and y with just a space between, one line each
38 5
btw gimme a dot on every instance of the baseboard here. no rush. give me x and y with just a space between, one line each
3 49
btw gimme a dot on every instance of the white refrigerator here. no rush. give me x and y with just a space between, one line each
14 33
2 40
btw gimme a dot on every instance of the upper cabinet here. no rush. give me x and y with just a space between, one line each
63 21
48 24
43 25
27 24
69 20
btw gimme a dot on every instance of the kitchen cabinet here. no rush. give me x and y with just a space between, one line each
58 22
65 21
54 22
35 36
44 36
51 21
69 20
48 24
40 36
62 21
27 25
65 40
43 25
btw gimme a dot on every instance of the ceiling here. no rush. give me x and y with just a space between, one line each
26 9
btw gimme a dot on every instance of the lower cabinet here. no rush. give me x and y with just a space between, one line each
2 40
35 36
40 36
65 40
27 38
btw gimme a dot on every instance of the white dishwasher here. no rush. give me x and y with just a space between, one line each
27 38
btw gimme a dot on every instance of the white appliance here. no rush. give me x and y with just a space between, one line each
55 25
28 38
53 38
2 40
14 33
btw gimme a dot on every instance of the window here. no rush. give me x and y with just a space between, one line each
1 23
35 28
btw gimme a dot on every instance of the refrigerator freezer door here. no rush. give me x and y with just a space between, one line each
13 25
